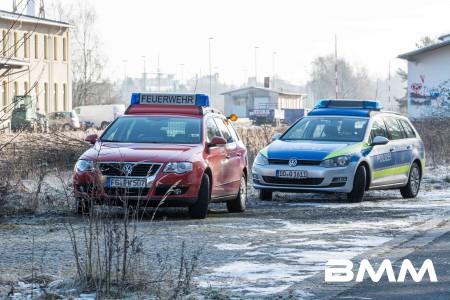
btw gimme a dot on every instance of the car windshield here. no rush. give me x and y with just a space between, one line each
328 128
154 129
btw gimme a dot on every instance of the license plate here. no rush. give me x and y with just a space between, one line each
127 182
292 174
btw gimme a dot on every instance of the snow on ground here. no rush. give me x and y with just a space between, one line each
303 248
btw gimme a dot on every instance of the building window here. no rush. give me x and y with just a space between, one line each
45 47
36 90
16 88
4 43
64 49
16 43
55 96
5 96
26 48
36 46
55 48
46 106
66 106
25 87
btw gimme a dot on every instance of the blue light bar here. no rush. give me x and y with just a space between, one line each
169 99
372 104
353 104
322 103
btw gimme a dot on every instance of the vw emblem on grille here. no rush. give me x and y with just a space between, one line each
127 169
292 162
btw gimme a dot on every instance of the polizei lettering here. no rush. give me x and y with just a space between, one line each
167 99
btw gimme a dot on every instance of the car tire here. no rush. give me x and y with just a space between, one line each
265 195
83 206
200 209
411 189
359 186
67 127
238 204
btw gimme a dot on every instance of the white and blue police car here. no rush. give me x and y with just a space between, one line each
343 146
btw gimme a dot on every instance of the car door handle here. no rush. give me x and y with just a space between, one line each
392 149
238 154
409 147
227 156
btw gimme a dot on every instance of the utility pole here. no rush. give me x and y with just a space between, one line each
256 68
335 65
210 75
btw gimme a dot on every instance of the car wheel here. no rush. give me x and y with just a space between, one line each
83 206
359 186
238 204
265 195
200 209
411 189
67 127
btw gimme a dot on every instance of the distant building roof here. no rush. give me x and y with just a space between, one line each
264 89
411 56
6 15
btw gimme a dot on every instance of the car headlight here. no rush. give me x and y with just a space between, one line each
261 160
84 165
338 161
178 167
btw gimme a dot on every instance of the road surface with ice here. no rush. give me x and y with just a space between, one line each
266 251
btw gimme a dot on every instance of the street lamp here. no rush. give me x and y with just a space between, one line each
209 42
256 68
182 69
245 77
143 76
125 78
273 69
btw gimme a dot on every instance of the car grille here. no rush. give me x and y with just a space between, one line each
297 181
126 191
139 169
300 162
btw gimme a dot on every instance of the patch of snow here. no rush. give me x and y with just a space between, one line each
234 246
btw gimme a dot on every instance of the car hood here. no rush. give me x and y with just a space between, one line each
309 150
133 152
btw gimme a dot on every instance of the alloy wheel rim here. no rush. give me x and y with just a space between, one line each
243 192
415 180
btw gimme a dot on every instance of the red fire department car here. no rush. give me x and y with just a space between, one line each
167 149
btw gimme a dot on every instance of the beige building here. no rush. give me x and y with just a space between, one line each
35 60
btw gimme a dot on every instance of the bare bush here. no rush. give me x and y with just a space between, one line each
26 161
257 137
435 133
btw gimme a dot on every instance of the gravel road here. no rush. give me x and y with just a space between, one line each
259 253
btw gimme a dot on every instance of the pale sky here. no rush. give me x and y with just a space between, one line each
369 33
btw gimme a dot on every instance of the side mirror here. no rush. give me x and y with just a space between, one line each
276 136
92 138
217 141
379 140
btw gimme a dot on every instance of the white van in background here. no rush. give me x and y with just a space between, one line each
100 115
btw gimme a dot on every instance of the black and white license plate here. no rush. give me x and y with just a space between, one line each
127 182
292 174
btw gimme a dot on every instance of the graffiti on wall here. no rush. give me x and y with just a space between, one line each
429 99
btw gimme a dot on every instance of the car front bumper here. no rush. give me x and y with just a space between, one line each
165 189
319 179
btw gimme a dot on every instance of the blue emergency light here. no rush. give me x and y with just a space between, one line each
169 99
364 104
